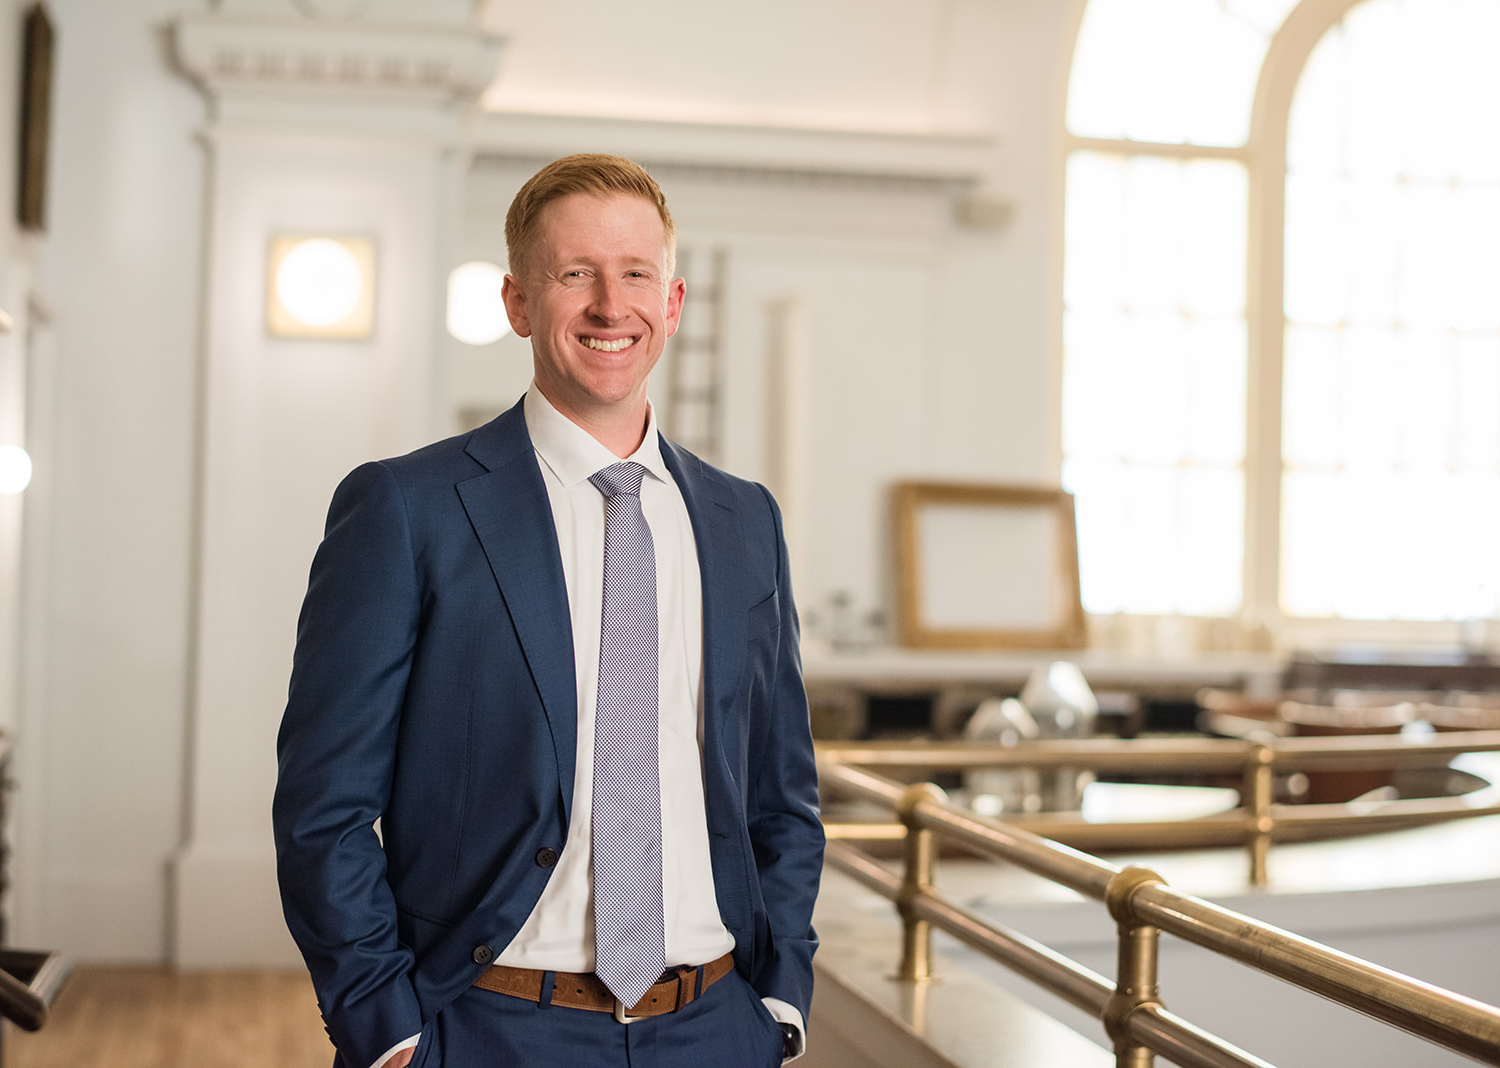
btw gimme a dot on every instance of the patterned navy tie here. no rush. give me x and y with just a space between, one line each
628 930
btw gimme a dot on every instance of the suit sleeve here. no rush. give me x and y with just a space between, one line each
786 830
336 755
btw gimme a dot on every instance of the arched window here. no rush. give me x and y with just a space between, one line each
1281 377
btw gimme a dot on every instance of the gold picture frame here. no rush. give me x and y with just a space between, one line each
987 567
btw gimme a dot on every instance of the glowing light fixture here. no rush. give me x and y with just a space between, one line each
15 469
321 287
476 314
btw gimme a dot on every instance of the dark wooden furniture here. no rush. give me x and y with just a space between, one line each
1380 670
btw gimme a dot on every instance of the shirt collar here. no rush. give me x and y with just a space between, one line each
572 453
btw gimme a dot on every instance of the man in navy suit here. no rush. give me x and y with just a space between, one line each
437 755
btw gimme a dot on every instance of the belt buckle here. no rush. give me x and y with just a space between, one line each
623 1014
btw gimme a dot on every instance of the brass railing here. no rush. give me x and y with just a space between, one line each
1255 824
1140 903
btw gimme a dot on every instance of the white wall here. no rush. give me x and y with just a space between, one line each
934 345
840 64
165 577
15 271
101 742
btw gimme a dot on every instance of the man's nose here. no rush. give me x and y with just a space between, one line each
609 303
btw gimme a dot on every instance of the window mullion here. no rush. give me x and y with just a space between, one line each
1285 60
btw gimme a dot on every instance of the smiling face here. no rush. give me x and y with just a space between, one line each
596 301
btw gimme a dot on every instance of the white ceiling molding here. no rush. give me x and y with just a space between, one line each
345 61
426 12
784 150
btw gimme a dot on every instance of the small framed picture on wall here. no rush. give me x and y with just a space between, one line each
36 117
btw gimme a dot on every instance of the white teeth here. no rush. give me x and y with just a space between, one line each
609 346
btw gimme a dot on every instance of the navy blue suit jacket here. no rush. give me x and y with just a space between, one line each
433 689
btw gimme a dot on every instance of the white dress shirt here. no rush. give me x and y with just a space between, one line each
559 934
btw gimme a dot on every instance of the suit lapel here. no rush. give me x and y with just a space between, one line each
512 519
720 544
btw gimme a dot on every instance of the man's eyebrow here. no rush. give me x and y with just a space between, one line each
588 259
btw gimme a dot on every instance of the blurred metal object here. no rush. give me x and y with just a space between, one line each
30 981
1008 791
1060 701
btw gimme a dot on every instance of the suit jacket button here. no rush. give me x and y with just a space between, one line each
483 954
546 857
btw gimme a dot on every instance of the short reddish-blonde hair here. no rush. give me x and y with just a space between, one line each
592 173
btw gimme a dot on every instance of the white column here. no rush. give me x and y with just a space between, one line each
339 128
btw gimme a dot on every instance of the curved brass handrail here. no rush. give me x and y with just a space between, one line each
1176 754
1256 824
1140 902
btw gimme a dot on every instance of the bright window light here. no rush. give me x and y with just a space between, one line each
1154 380
1389 473
15 469
1390 430
476 313
1134 56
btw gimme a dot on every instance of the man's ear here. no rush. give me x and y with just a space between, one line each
514 296
676 293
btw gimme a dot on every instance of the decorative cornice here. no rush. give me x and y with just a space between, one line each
227 55
784 153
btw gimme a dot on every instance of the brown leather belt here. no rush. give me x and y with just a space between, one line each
680 986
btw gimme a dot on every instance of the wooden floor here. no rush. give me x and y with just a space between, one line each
117 1017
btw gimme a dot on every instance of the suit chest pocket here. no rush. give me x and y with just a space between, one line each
764 618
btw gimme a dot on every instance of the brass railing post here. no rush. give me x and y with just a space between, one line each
1259 780
1135 980
921 855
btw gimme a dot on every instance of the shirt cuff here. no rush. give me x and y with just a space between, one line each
408 1044
788 1014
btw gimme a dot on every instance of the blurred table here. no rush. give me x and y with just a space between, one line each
840 683
1363 669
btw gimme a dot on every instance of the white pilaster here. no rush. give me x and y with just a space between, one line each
340 127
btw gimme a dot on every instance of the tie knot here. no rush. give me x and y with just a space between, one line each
619 480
